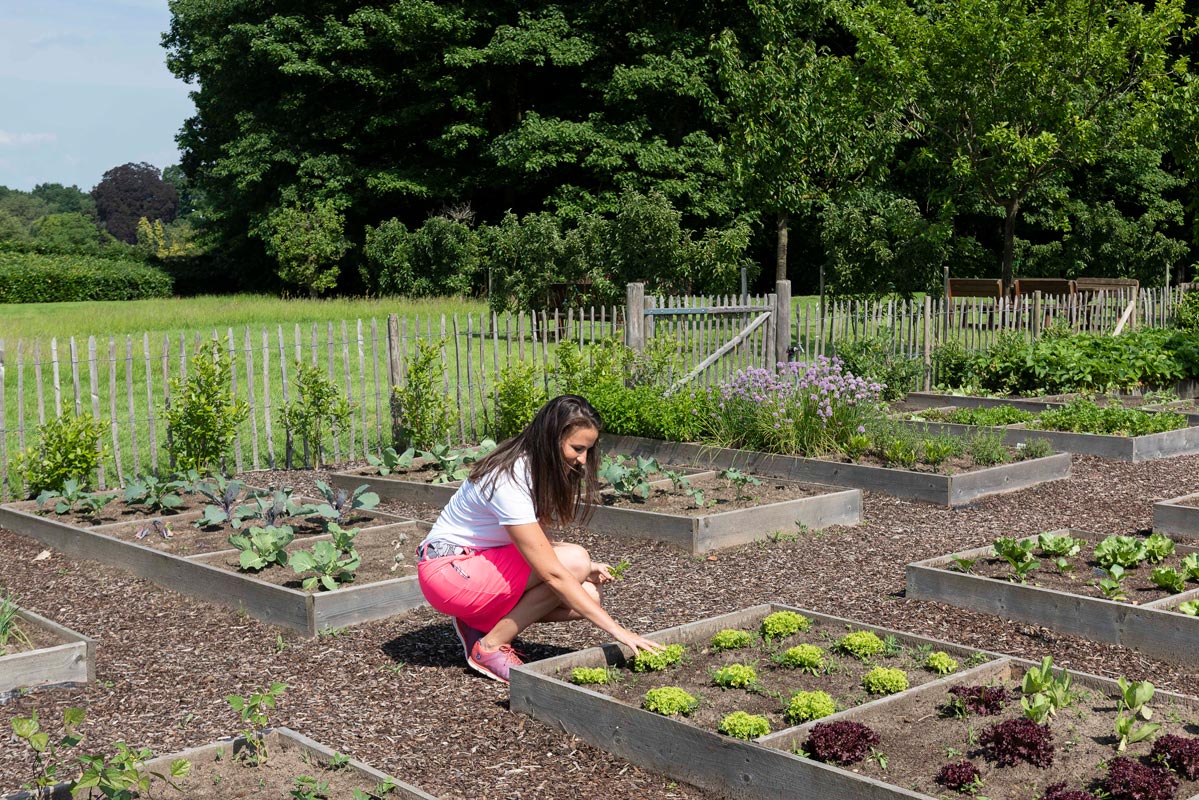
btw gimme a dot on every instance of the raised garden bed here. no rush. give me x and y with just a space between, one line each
671 515
1183 441
396 486
948 490
47 655
1177 517
915 747
216 772
1153 626
302 611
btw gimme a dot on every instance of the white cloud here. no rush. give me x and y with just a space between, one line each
18 139
68 39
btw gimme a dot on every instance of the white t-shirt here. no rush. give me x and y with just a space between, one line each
476 515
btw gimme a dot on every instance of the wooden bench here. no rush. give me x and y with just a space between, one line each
975 287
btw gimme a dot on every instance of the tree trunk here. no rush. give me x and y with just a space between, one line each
780 261
1009 236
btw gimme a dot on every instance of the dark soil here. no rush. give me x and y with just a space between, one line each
776 683
116 510
950 466
719 495
24 636
396 693
916 739
1081 579
419 473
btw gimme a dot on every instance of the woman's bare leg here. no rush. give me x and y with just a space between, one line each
540 603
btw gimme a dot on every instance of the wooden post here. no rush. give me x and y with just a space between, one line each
1036 314
634 316
928 343
393 372
782 321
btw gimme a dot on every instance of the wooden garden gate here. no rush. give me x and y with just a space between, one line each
745 331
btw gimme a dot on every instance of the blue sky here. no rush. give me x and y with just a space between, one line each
83 88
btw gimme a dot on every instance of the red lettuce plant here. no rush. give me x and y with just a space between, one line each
961 776
1015 740
841 742
1179 753
1058 791
986 700
1131 780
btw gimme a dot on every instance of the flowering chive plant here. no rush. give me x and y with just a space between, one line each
807 408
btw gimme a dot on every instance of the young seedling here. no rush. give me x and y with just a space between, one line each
309 788
961 564
739 480
1044 692
1111 582
1060 548
681 484
629 481
1133 705
226 505
155 495
10 628
275 508
123 776
391 461
72 497
45 751
340 504
332 565
1018 554
262 547
253 712
619 570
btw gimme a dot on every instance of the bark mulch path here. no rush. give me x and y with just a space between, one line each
396 694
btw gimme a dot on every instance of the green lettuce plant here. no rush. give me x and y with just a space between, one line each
1133 705
730 639
1018 554
805 706
591 675
1190 566
743 725
735 676
782 624
860 644
1169 579
647 661
884 680
1190 608
1127 551
941 663
669 700
804 657
1158 548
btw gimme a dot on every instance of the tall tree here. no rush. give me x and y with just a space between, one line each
129 192
65 199
1010 96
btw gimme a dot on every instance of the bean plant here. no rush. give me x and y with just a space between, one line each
45 750
253 712
123 776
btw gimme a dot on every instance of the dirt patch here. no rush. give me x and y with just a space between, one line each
26 637
115 510
719 495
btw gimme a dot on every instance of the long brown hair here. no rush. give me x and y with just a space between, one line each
559 493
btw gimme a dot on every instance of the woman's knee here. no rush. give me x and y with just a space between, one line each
575 558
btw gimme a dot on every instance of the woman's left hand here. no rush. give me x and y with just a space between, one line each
601 573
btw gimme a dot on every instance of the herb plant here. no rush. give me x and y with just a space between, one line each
806 706
1085 416
987 449
782 624
669 700
1033 448
743 725
253 712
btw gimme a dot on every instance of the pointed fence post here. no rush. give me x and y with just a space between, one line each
782 322
634 317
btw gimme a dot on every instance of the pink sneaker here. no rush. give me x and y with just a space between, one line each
495 664
467 635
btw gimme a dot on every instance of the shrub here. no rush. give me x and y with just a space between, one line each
425 412
730 639
985 700
669 700
987 449
203 418
1131 780
318 405
940 663
961 776
518 395
860 644
646 661
1179 753
874 358
68 448
806 657
742 725
1034 448
1014 740
1186 313
735 676
805 706
782 624
883 680
841 742
590 675
33 278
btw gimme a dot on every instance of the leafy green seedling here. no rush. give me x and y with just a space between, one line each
124 777
1018 554
961 564
1111 582
1158 548
1126 551
620 570
1190 566
730 639
735 676
332 565
340 504
391 461
154 494
739 480
1133 706
309 788
591 675
253 712
262 547
669 700
1190 608
681 484
275 507
1169 579
941 663
1058 545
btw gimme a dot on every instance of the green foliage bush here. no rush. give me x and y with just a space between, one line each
805 706
1085 416
874 358
884 680
442 257
319 406
743 725
1186 314
735 676
67 448
730 639
426 414
33 278
782 624
518 396
860 644
669 700
805 657
203 416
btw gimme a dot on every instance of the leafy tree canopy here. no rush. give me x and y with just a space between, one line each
129 192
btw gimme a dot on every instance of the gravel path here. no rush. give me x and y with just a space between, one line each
397 695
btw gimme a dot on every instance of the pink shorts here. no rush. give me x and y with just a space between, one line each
480 588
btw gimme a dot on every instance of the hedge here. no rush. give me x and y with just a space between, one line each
33 278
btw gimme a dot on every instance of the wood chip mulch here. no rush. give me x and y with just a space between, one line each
396 693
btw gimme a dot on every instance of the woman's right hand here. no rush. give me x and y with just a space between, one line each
638 643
